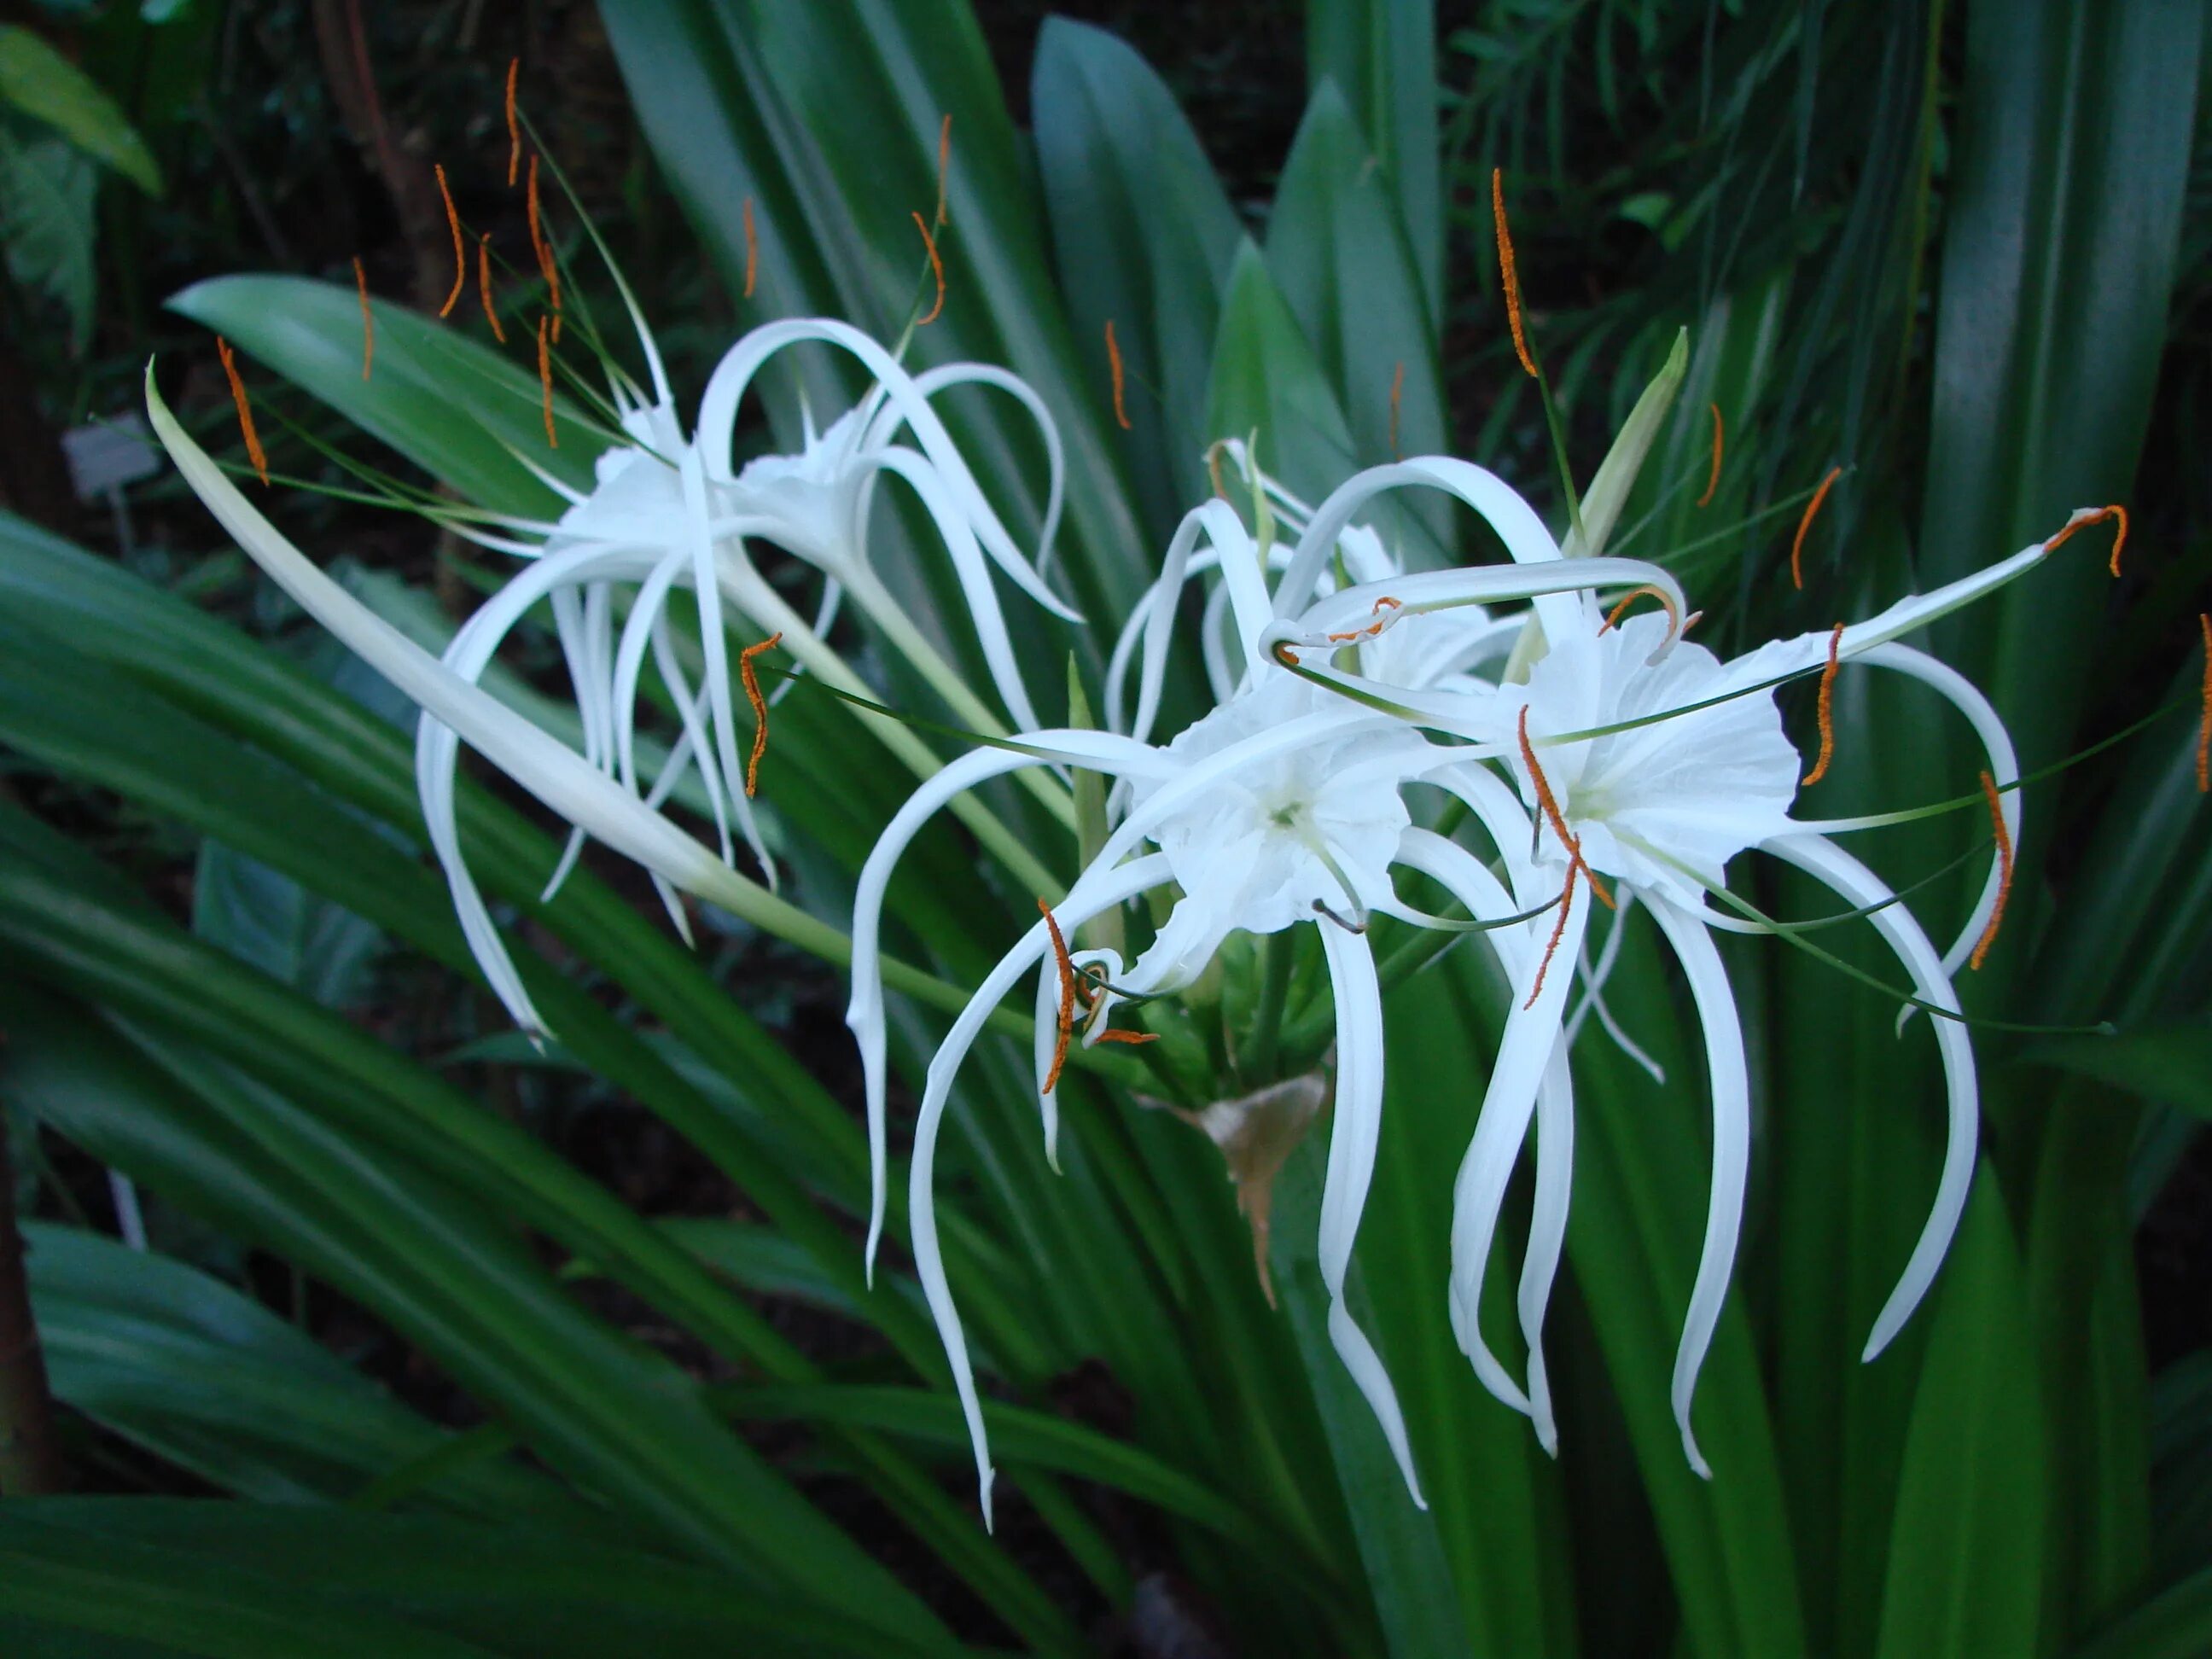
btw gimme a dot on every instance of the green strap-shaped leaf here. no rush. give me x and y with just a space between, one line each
38 80
1267 379
1381 54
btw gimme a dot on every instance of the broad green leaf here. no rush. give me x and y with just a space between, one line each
1967 1553
197 1374
42 83
1266 380
1381 54
1142 236
2174 1624
2168 1065
264 917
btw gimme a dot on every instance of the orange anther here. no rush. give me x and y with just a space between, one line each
460 248
1549 806
2004 871
2083 521
1120 412
1508 270
483 286
1213 467
1612 620
253 450
1066 998
1811 508
944 165
1558 929
936 270
1385 604
752 250
545 380
1713 479
547 267
751 678
2204 720
514 131
367 319
1283 654
1126 1036
1827 713
1397 392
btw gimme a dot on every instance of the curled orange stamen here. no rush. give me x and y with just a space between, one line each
460 248
2083 521
1613 619
545 381
936 270
1549 805
1713 480
1397 392
547 267
1110 1035
1558 930
367 319
1827 713
752 250
1811 508
514 132
2004 871
1121 413
1067 1025
751 678
1385 604
1507 269
943 164
1283 654
2204 720
483 286
253 450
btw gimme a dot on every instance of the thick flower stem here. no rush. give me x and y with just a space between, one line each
30 1462
1278 957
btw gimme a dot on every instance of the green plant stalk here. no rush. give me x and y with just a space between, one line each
30 1461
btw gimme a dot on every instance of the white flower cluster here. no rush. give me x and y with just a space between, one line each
1604 763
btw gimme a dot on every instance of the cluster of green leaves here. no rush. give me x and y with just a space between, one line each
2009 1479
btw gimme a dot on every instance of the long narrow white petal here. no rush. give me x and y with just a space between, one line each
931 381
1731 1086
2003 766
1100 890
1860 886
1352 1139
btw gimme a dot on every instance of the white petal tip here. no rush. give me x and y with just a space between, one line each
538 1036
1547 1436
990 1479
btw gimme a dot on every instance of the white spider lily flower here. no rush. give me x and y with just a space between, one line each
1281 806
1653 764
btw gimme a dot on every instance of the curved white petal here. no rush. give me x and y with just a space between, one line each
1352 1137
930 382
1099 890
1731 1087
1860 886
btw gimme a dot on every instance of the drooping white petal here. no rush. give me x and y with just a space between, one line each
931 381
1100 890
1861 887
1352 1139
1731 1087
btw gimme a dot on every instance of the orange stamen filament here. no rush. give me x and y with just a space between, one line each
1385 612
1508 272
547 267
2082 522
1827 713
367 319
2004 871
751 678
1397 392
253 450
1613 619
1548 804
545 381
484 286
514 131
1713 479
460 248
943 164
2204 720
1067 1024
1811 510
1120 412
752 250
936 270
1558 930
